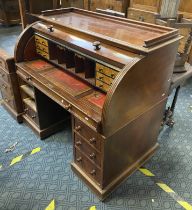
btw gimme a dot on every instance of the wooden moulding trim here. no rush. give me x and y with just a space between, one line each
14 114
44 132
114 86
23 37
103 193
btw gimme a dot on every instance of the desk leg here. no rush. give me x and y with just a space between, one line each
168 118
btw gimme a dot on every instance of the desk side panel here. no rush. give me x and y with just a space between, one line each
138 88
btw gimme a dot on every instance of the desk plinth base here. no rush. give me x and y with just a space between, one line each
17 116
44 133
105 192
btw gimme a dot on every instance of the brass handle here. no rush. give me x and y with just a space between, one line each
67 107
141 18
101 78
97 45
50 28
101 70
33 117
93 172
100 86
7 100
4 86
92 156
26 110
92 140
113 76
28 78
79 159
78 143
78 128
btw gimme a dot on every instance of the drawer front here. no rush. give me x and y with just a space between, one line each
2 62
105 87
87 133
30 113
42 47
25 76
103 78
106 70
5 88
87 150
41 40
4 76
90 169
8 99
141 15
42 53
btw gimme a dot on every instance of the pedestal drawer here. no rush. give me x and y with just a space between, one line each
85 148
5 89
90 169
4 76
30 113
90 135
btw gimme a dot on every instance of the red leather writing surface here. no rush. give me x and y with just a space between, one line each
38 65
97 99
66 81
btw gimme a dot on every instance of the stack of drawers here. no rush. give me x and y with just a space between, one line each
9 86
87 150
29 105
42 47
104 76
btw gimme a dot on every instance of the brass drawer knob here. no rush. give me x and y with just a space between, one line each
97 45
93 172
50 28
92 156
7 100
28 78
4 86
113 76
79 159
78 143
67 107
78 128
33 116
26 110
101 78
92 140
100 86
101 70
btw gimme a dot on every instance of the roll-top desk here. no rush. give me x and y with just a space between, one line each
111 74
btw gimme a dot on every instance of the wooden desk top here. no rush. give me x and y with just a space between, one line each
119 30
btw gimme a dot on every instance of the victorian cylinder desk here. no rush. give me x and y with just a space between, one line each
111 75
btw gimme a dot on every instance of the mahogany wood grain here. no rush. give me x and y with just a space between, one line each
114 131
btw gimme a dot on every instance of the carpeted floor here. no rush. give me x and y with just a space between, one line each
33 182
